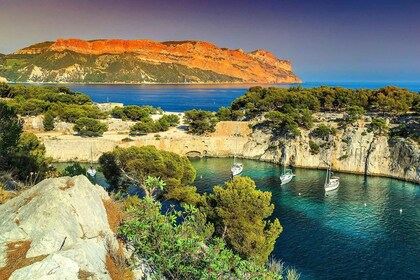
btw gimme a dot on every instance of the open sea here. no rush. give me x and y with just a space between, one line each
179 98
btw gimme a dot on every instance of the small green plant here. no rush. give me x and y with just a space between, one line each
313 148
127 139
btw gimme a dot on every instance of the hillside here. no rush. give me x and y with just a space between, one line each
142 61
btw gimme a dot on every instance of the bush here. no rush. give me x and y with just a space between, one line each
74 169
200 122
90 127
124 167
323 131
175 245
48 122
379 125
313 147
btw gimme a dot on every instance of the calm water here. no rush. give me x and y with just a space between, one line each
356 232
178 98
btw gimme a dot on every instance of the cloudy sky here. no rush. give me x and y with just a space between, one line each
326 40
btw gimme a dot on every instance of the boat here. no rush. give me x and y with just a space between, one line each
237 167
331 182
91 171
287 174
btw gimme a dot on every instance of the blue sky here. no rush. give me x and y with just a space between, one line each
330 40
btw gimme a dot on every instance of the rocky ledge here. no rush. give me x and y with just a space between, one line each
58 229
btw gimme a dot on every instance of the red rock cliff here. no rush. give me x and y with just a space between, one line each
255 67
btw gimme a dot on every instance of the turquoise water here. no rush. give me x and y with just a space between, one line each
356 232
178 98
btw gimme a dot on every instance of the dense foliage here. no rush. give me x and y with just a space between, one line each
48 122
132 166
90 127
21 153
200 122
172 244
148 125
239 212
133 112
59 102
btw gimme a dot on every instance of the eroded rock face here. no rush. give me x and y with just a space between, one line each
66 222
74 60
354 150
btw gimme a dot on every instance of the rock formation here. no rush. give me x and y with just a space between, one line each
58 229
143 61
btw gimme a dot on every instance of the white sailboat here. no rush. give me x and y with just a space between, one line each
287 174
237 167
331 183
91 171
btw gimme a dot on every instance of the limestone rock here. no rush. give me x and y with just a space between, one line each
65 220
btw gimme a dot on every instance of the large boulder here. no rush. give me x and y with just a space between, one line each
58 229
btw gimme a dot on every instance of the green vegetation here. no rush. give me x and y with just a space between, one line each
21 153
355 113
323 131
133 112
313 147
59 102
212 235
200 122
90 127
239 213
147 125
48 122
74 170
106 68
379 126
172 243
132 166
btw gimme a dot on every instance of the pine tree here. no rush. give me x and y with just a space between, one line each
48 122
239 212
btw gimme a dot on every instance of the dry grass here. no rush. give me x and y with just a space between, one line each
114 213
6 195
116 263
85 275
69 184
16 258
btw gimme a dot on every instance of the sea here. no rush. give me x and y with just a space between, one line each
368 229
179 98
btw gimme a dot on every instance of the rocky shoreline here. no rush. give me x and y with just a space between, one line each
355 150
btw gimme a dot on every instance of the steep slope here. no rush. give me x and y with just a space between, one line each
142 61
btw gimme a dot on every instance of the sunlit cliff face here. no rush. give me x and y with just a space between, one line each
259 66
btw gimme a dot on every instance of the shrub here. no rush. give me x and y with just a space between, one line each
48 122
313 147
172 243
90 127
323 131
379 125
200 122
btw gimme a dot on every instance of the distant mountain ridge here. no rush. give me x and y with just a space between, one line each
142 61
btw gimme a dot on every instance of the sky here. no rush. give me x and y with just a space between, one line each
326 40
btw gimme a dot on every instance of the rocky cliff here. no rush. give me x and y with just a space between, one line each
143 61
354 150
58 229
